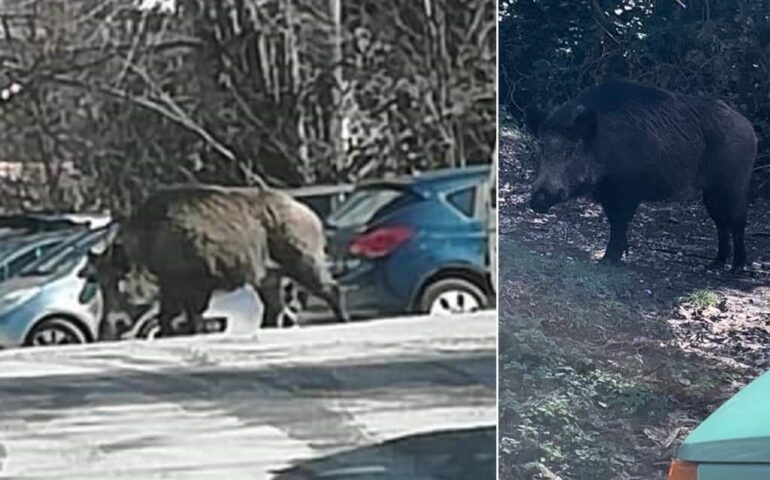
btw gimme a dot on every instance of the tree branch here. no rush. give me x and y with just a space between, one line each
171 111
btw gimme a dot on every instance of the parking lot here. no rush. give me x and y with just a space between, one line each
358 401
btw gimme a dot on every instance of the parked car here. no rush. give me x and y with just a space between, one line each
414 244
49 303
18 251
46 222
323 199
732 443
492 222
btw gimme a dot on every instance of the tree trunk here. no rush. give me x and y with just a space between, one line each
335 129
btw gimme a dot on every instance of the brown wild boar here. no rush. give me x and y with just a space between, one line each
622 144
186 242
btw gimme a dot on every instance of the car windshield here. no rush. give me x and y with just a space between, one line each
363 205
65 256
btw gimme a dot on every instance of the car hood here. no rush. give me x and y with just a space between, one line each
737 432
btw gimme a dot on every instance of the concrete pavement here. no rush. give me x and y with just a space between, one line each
404 399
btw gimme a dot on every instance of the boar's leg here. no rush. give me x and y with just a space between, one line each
269 290
619 214
169 310
715 206
332 294
316 279
309 271
738 228
195 304
313 275
175 300
739 258
729 214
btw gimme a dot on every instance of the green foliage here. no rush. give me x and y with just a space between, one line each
559 399
552 49
559 428
295 92
702 299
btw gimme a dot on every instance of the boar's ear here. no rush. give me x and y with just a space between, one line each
534 118
583 124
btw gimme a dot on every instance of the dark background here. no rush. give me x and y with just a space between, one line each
552 49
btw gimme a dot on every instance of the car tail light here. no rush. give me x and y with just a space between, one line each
681 470
380 242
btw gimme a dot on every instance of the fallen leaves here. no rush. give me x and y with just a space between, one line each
684 336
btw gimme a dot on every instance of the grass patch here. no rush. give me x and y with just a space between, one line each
558 405
576 294
557 417
702 300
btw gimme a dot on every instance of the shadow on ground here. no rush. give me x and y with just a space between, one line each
604 370
445 455
110 412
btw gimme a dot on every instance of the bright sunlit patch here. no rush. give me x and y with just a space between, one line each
168 6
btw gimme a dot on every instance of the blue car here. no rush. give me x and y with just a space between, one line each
415 245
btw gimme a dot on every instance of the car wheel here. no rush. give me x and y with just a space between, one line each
294 300
55 331
150 329
452 296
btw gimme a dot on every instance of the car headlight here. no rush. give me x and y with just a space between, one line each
13 299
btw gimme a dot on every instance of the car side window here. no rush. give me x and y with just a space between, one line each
21 261
46 248
17 264
464 200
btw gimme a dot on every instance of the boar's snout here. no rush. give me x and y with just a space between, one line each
542 199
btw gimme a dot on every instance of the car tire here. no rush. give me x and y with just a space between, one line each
150 329
55 331
452 296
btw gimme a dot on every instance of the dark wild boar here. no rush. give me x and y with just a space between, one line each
187 242
622 144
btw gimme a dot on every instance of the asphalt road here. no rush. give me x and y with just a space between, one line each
410 399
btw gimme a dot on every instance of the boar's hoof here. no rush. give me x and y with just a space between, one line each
610 261
737 269
343 316
335 297
717 265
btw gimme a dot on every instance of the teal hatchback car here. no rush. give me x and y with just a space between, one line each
731 444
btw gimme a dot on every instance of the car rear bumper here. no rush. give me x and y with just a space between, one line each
365 295
366 291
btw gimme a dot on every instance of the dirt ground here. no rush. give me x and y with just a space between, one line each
604 370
